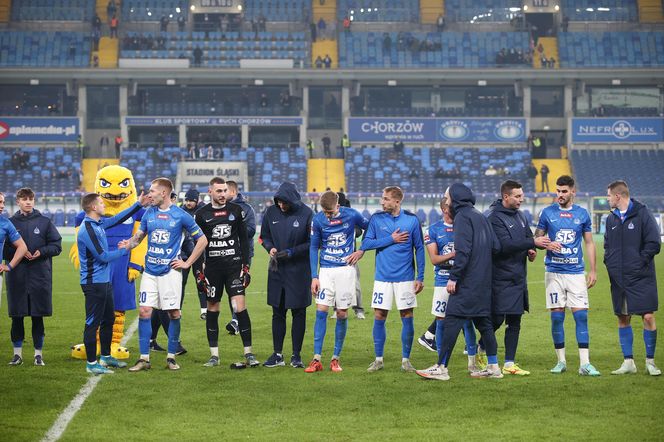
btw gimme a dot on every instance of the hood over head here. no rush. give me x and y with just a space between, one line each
288 192
461 197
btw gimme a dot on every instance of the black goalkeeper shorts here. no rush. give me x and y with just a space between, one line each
223 277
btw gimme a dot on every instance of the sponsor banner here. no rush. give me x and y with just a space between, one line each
216 6
438 130
213 121
42 130
199 173
617 130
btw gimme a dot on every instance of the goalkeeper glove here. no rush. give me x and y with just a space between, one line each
245 277
202 283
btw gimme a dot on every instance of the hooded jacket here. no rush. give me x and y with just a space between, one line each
474 243
509 271
288 232
630 247
30 284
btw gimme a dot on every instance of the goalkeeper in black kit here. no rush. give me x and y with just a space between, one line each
226 268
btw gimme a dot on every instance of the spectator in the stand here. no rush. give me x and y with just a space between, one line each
118 145
181 23
318 63
96 36
387 42
322 26
202 152
345 144
262 23
326 145
544 61
346 24
103 141
490 171
565 23
413 174
210 153
312 31
439 174
552 63
544 176
310 147
192 151
72 51
327 61
160 138
198 54
114 26
398 146
96 22
531 172
263 102
163 23
16 160
111 8
440 23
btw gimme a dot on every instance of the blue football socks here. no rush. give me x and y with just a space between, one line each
144 333
626 337
379 336
581 319
320 328
173 335
340 335
558 329
407 334
650 339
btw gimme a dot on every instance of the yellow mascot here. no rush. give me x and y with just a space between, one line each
115 185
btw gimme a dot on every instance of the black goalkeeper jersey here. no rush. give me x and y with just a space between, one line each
226 234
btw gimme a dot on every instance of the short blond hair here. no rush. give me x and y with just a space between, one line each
395 192
165 183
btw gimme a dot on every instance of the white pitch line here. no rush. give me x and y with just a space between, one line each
60 424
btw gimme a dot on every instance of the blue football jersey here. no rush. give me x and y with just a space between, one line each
442 235
164 230
7 232
334 238
566 227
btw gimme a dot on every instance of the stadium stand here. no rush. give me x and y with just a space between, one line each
219 49
465 164
43 49
277 10
43 169
487 10
266 165
611 49
600 10
61 10
379 10
153 10
642 169
445 50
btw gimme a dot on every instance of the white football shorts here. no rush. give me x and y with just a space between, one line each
564 290
439 301
162 292
337 286
385 292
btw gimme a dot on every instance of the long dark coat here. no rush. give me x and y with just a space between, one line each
29 285
290 232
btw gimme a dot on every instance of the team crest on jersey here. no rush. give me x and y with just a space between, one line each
162 216
36 231
577 221
221 213
296 223
172 224
630 226
565 215
231 217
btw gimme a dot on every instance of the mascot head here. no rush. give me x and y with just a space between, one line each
115 185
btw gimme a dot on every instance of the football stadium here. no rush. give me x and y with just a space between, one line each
499 161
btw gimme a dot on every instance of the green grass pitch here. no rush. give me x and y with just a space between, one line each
198 403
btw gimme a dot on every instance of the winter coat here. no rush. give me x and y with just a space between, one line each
29 285
474 242
630 247
288 232
509 271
